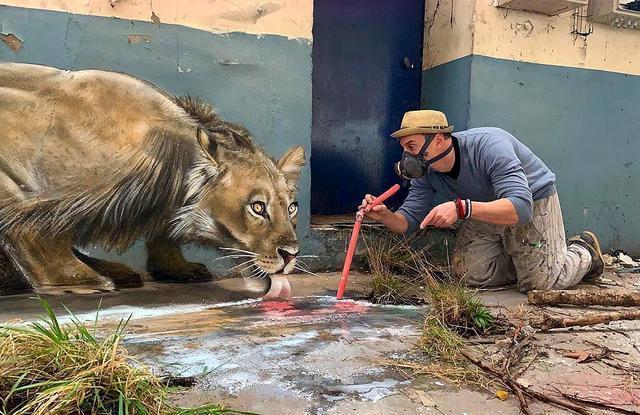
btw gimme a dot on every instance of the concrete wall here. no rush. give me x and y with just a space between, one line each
448 37
573 100
251 59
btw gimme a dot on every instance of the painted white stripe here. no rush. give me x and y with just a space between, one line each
290 18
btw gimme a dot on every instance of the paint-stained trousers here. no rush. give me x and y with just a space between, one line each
534 255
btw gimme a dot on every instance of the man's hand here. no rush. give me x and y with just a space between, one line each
377 212
441 216
395 222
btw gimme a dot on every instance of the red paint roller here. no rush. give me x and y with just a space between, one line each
354 237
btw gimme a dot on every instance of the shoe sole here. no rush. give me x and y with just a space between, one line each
596 246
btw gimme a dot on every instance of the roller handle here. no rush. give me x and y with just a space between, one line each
354 238
386 195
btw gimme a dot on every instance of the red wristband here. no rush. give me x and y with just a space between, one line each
459 208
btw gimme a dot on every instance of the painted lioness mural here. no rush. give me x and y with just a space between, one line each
96 157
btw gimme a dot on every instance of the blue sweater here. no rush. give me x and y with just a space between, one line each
493 165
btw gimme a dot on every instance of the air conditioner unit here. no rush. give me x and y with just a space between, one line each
619 13
548 7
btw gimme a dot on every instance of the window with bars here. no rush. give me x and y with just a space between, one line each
632 5
624 14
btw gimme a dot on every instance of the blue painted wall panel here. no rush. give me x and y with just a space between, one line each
582 123
361 89
262 82
446 88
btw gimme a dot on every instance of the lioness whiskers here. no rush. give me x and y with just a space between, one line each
306 271
244 263
236 256
258 273
238 250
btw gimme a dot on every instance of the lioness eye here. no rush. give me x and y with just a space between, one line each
293 208
259 208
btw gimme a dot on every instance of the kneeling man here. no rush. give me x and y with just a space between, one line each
503 195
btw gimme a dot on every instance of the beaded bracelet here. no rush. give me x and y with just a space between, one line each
469 208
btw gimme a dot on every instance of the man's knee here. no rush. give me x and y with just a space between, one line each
532 280
481 270
538 268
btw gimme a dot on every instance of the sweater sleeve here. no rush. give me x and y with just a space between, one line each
508 177
418 202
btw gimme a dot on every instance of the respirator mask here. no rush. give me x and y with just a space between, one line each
413 166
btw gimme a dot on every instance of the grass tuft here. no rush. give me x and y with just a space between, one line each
438 341
441 343
456 308
388 289
398 269
51 369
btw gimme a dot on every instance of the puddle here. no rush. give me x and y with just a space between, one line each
315 348
310 353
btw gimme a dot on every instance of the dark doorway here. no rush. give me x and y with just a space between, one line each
367 60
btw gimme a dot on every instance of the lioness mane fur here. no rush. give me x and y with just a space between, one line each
152 186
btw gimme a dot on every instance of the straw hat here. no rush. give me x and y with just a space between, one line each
423 122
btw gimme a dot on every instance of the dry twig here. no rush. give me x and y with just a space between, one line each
518 388
616 298
600 405
549 322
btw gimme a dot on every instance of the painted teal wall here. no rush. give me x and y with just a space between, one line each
583 123
447 88
262 82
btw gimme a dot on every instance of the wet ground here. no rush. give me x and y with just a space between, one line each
312 355
308 354
316 355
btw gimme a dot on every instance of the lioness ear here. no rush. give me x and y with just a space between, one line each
216 141
208 145
290 165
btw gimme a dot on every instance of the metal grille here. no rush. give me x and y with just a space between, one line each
581 23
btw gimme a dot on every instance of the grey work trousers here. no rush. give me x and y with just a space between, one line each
534 255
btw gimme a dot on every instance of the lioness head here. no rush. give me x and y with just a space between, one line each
240 199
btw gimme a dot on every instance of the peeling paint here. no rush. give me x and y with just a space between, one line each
12 41
232 62
251 14
526 27
137 38
448 33
547 40
155 19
